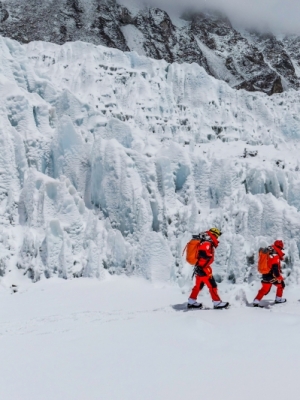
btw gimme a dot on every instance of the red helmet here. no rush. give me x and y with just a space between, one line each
279 244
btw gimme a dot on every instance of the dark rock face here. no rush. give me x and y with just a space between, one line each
279 55
163 40
252 62
3 13
292 48
243 60
106 25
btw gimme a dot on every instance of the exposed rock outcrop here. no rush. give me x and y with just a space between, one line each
246 61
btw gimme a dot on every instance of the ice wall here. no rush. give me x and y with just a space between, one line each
110 161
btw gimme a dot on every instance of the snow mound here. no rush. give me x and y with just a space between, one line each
110 161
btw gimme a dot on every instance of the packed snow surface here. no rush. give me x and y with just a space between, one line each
110 161
124 338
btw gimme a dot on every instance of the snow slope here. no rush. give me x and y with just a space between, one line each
121 338
111 161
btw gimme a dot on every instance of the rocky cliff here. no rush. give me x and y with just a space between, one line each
250 61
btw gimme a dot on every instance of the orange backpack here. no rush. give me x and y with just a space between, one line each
263 258
192 250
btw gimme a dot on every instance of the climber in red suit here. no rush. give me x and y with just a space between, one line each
274 277
203 271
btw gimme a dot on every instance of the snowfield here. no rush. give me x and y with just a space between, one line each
124 338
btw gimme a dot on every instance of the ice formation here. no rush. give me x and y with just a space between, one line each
110 161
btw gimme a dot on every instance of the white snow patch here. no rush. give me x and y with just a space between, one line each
217 65
134 38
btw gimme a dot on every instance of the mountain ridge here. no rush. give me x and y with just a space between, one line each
254 62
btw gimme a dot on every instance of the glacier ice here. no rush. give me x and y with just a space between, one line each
110 161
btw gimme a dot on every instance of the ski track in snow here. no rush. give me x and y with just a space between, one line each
64 323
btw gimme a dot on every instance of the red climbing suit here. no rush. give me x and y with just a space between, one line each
203 270
274 277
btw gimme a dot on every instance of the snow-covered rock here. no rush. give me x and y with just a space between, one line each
255 62
111 161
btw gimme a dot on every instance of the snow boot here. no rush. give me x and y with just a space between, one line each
279 300
219 305
193 304
197 306
256 303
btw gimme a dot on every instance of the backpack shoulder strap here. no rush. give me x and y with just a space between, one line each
184 249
